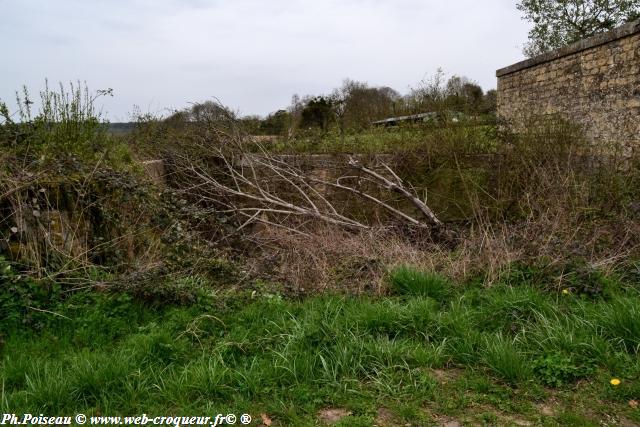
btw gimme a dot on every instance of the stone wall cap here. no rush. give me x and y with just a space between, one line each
625 30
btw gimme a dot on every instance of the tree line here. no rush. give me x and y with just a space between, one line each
355 106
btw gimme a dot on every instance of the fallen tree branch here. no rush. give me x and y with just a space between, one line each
263 187
397 187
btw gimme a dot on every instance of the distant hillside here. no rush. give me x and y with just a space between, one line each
121 128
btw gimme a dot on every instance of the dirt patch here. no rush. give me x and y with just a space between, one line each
519 422
450 423
332 415
502 418
546 409
386 418
445 376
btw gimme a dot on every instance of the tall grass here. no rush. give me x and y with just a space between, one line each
620 319
504 358
406 280
113 354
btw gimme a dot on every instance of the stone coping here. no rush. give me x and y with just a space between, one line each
588 43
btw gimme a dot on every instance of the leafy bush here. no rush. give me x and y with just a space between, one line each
22 298
92 206
80 183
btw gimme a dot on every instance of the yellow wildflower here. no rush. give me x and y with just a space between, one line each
565 291
615 381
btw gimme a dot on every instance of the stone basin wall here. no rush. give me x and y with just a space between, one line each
594 83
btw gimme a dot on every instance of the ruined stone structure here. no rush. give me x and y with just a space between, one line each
594 83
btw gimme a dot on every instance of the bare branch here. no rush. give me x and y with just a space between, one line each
419 204
258 186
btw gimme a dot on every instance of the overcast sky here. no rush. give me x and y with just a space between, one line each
252 55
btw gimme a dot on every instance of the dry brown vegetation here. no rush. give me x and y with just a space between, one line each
544 197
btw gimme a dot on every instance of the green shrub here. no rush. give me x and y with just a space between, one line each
157 289
23 299
538 275
68 123
406 280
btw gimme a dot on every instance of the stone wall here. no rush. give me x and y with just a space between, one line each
594 83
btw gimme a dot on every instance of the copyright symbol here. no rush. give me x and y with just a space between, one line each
81 418
231 419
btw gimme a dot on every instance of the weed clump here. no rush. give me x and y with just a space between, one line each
556 369
406 280
504 358
620 319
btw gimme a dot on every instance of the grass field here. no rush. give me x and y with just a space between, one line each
431 352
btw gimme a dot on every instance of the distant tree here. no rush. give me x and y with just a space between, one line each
339 106
489 102
210 111
463 94
428 95
376 103
277 123
356 105
251 124
295 113
558 23
437 93
317 113
472 95
177 118
389 93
